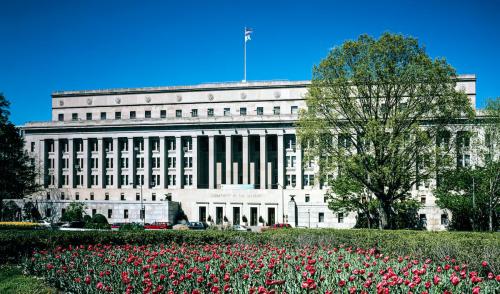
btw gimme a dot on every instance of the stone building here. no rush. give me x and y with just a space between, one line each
224 151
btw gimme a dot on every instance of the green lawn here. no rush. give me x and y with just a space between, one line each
13 281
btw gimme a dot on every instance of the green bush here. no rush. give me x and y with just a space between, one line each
471 248
98 221
132 227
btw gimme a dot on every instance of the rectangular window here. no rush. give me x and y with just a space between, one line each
110 213
137 197
276 110
163 113
321 217
294 110
106 196
444 219
118 115
92 196
243 111
422 200
194 113
308 198
340 218
125 213
227 111
60 117
62 195
147 114
178 113
89 116
133 115
210 112
260 110
153 197
77 196
74 116
122 196
94 211
32 148
103 115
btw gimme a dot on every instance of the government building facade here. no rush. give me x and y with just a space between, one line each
225 153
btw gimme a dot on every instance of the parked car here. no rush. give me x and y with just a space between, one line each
241 228
158 226
197 226
45 224
281 226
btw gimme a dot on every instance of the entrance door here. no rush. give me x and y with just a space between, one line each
218 215
271 216
202 214
236 215
253 216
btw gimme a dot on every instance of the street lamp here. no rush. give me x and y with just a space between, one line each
282 202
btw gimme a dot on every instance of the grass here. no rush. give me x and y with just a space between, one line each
13 281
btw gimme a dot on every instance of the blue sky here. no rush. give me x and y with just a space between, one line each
47 46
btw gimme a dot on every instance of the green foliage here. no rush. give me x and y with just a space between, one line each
74 212
470 248
10 211
99 222
18 172
30 212
132 227
466 194
13 281
365 107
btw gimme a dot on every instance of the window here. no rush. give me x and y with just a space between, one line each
147 114
124 180
444 219
155 179
125 213
163 113
276 110
137 197
118 115
194 113
122 196
321 217
308 180
308 198
340 218
110 213
178 113
243 111
32 147
77 196
89 115
227 111
422 199
153 197
74 116
48 195
294 110
92 196
260 110
62 195
155 143
60 117
210 112
423 219
103 115
106 196
133 115
94 211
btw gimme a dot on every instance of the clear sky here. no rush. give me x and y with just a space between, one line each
47 46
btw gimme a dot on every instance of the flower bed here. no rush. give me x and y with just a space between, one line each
239 268
19 226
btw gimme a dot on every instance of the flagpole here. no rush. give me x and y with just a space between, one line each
245 56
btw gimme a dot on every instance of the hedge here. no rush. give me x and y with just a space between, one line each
471 248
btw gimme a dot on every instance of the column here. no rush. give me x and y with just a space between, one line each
244 160
263 161
86 166
100 163
147 163
298 171
163 162
57 163
116 163
178 156
71 163
42 157
228 159
280 166
131 162
194 140
211 161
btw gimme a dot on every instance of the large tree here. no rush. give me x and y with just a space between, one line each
17 170
375 108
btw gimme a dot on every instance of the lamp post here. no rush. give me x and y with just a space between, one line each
282 203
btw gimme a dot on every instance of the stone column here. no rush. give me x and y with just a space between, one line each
86 166
131 162
57 163
211 161
228 159
263 161
71 163
244 158
194 153
280 166
163 162
147 160
116 163
42 157
178 156
298 171
100 162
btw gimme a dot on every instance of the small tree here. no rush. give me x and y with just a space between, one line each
11 211
74 212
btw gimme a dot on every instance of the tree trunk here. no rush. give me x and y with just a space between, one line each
385 215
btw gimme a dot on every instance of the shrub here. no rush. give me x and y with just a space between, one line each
19 226
132 227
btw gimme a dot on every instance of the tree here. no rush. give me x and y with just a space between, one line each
17 170
473 194
74 212
375 109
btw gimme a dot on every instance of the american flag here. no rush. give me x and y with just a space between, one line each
248 31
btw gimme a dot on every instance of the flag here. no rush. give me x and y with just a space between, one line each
248 31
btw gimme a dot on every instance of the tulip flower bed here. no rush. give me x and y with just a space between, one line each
239 268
